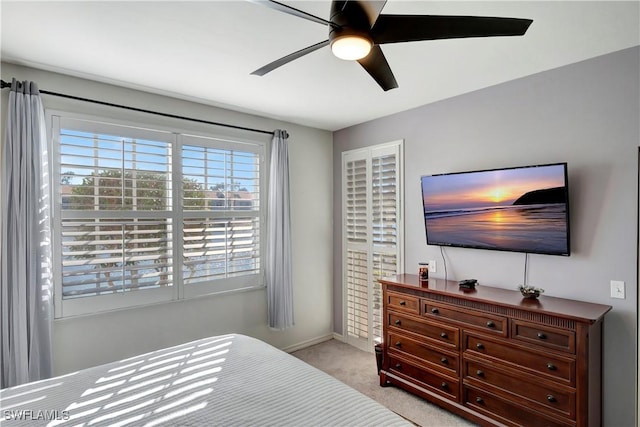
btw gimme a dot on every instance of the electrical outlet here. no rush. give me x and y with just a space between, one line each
432 265
617 289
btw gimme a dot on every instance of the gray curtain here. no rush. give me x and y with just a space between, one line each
279 280
25 245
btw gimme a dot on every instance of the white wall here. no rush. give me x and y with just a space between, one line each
586 114
89 340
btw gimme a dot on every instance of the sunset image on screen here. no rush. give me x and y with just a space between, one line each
521 209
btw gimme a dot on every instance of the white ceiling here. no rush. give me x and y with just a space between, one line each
205 51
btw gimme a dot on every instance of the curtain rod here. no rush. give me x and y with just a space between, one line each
4 84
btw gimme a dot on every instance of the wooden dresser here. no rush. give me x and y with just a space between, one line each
490 355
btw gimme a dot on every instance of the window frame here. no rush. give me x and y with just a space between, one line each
177 135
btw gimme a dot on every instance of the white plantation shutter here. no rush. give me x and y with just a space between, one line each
221 225
384 211
167 214
220 248
107 256
383 200
356 201
357 255
384 264
357 283
371 236
112 215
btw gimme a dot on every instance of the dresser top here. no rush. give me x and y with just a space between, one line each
576 310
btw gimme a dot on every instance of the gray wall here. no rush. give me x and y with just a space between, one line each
85 341
586 114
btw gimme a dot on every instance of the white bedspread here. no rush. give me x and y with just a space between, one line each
230 380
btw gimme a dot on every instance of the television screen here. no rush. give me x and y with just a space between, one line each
521 209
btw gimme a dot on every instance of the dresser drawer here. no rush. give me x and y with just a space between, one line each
402 302
554 400
485 322
557 339
441 384
552 366
446 335
446 362
507 412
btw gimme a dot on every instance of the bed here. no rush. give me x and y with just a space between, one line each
229 380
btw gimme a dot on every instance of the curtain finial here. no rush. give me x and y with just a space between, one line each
280 133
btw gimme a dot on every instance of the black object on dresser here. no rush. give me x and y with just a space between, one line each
492 356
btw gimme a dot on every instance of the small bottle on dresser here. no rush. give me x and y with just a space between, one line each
423 271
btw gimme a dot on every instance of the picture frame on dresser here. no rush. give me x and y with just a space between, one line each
492 356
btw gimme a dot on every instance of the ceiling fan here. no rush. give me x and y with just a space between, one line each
357 29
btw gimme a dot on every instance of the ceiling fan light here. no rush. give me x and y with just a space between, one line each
351 47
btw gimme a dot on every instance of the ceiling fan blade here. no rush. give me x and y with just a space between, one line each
373 8
407 28
281 7
286 59
377 66
370 8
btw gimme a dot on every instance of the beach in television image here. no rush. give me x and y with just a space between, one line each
520 209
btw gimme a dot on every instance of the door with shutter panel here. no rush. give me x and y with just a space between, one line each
372 236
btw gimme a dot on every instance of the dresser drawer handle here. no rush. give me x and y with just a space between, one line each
479 346
551 367
435 310
444 360
403 302
551 398
490 324
398 322
398 366
443 334
542 336
480 373
479 400
444 385
398 344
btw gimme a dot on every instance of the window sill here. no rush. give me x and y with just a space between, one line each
154 304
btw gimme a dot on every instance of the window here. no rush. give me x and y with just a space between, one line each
144 215
372 236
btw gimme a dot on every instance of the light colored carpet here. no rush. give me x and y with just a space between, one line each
357 368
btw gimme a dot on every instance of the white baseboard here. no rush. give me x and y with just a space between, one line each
339 337
307 343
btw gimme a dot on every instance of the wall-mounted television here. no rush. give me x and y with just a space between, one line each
520 209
